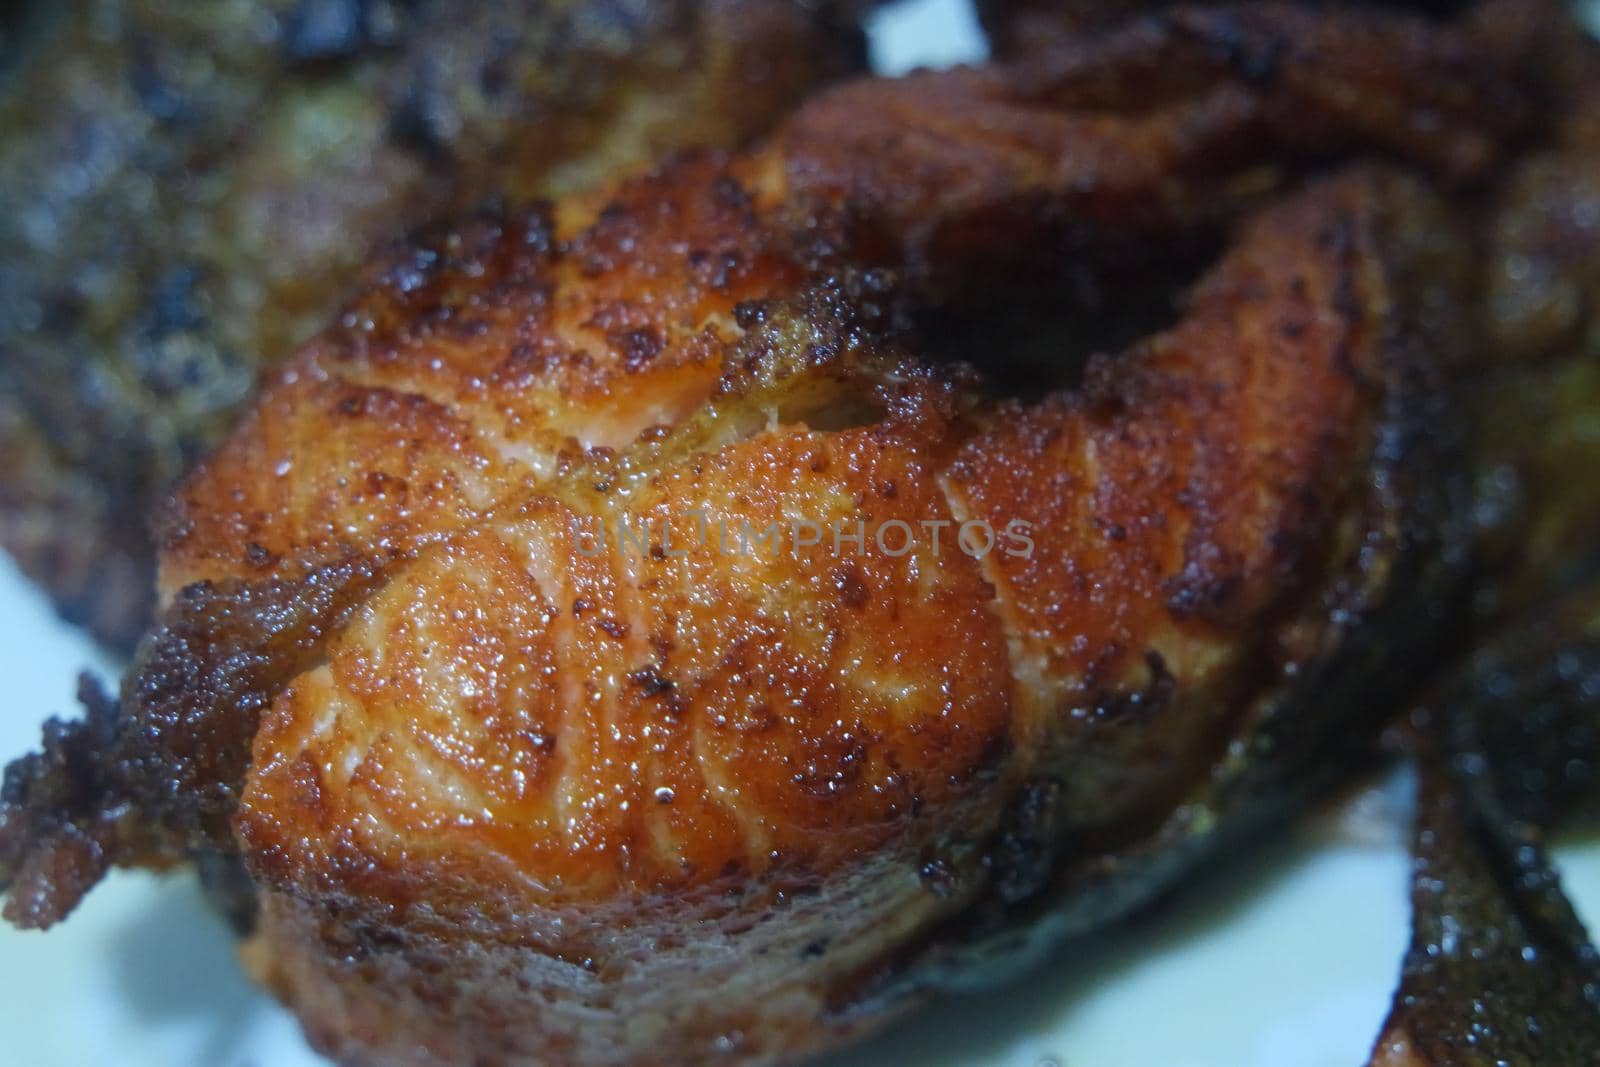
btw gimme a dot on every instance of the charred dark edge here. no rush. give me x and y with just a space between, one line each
1380 625
155 778
1527 711
1290 763
1500 967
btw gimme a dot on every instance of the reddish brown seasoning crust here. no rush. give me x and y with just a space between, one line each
507 801
476 753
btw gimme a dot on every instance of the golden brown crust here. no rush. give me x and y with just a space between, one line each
1186 492
496 346
633 736
922 163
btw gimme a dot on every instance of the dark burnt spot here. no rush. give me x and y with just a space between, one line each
821 353
1254 58
714 270
834 769
614 628
1024 854
258 556
1113 531
1144 703
351 936
853 590
175 749
749 314
380 484
658 432
1208 584
990 762
640 347
540 742
439 280
814 949
729 193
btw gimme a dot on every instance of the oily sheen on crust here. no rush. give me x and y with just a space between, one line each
505 800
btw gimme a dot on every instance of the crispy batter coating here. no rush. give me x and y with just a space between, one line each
190 190
508 797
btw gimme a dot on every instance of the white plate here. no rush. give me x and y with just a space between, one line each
1289 961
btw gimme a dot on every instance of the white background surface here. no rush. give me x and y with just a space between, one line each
1288 961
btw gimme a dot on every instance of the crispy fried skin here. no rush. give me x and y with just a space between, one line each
1500 969
190 189
507 798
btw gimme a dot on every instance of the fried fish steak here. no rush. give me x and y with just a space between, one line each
191 189
511 790
704 802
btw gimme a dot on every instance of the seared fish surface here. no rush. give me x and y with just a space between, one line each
511 789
